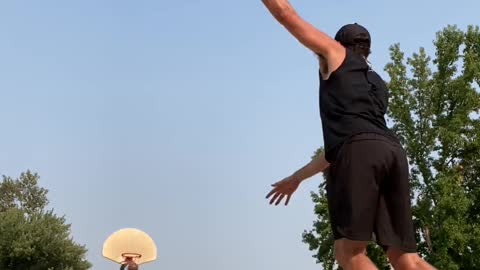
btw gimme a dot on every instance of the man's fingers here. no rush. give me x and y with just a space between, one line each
279 192
275 197
280 199
288 199
271 192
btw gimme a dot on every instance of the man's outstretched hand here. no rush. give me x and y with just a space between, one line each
282 189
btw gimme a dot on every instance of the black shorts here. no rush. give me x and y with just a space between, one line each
368 193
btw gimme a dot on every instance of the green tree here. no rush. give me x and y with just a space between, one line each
32 237
434 109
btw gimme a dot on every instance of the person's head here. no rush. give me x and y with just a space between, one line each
355 37
132 266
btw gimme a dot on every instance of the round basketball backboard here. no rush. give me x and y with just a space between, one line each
130 243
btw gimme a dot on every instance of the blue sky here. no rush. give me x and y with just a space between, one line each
174 117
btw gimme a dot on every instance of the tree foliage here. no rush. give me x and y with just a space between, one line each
32 237
434 109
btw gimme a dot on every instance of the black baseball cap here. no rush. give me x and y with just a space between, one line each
353 34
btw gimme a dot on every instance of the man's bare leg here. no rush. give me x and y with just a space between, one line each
402 260
351 255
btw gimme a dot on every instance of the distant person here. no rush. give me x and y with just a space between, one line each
129 265
367 184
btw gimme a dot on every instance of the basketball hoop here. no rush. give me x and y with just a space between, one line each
130 248
131 257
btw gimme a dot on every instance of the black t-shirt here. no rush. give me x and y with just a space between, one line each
353 100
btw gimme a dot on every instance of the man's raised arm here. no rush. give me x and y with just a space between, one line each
305 33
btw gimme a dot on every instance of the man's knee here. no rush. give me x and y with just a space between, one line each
346 249
403 260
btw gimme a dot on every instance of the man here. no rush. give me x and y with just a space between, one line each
129 264
367 185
